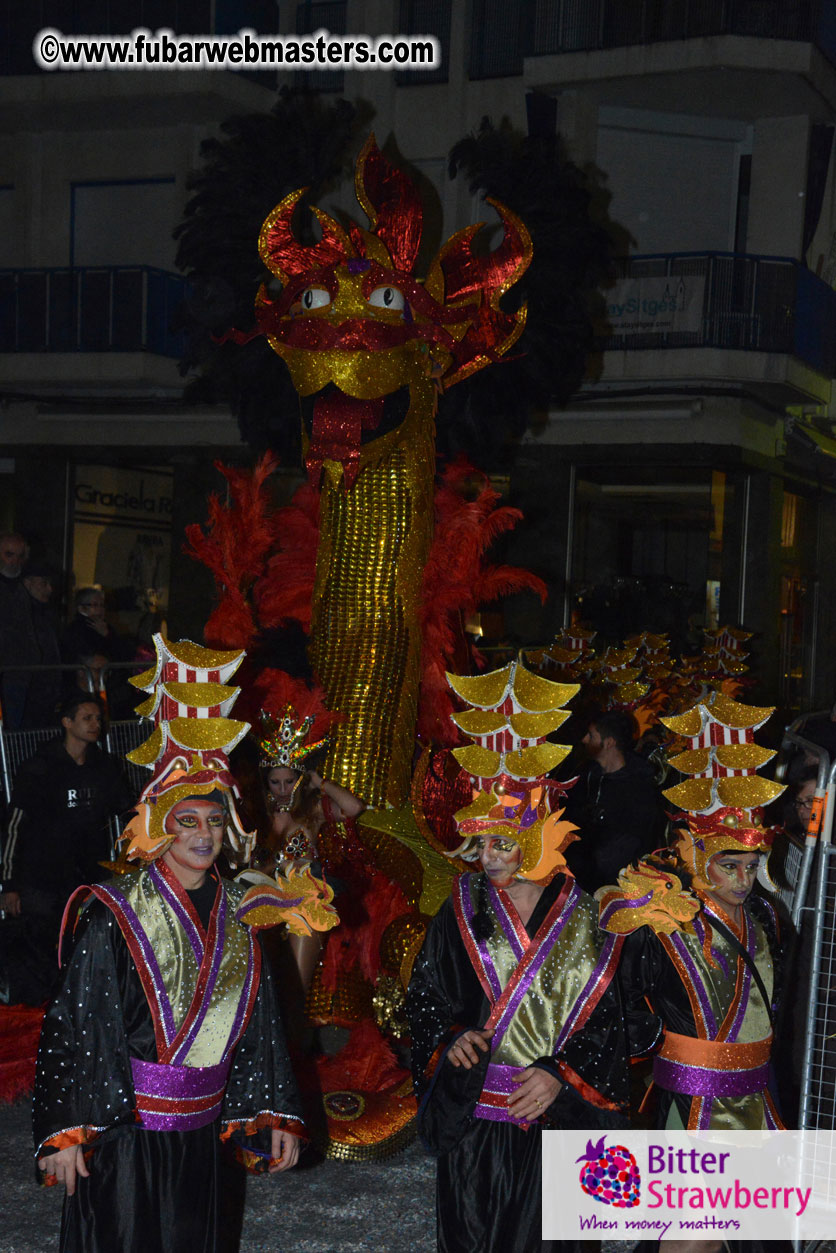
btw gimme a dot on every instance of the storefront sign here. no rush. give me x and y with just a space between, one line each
122 538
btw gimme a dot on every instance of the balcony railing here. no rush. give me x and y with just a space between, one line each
90 309
723 300
555 26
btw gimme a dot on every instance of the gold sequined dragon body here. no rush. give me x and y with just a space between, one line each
369 347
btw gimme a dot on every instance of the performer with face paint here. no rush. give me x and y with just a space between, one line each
516 1020
164 1038
299 801
702 948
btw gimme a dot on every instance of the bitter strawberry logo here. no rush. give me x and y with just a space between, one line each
610 1175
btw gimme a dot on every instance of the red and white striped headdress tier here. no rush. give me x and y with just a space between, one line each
721 757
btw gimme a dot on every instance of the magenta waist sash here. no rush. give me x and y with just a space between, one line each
178 1098
500 1082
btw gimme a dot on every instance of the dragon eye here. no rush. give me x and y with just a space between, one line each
387 298
315 298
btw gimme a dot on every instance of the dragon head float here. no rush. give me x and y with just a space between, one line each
368 343
369 346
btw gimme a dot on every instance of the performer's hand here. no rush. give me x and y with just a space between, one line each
10 903
462 1052
65 1166
537 1089
284 1149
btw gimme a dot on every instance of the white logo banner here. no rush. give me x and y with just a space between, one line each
641 306
694 1185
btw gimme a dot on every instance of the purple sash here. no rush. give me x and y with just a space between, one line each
178 1098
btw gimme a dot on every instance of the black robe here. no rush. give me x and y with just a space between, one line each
488 1191
148 1191
656 999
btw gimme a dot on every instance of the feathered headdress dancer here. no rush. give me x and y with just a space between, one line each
724 797
188 702
511 713
295 722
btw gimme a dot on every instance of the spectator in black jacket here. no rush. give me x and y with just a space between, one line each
18 646
58 833
44 692
615 804
92 643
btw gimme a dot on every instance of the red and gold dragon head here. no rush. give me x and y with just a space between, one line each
369 344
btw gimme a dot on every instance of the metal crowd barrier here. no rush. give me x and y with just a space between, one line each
810 896
813 907
801 853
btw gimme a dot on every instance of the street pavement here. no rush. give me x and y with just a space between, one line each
329 1207
323 1207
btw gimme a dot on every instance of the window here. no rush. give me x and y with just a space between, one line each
426 17
314 15
498 38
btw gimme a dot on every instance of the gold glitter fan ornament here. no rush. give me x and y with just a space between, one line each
725 795
188 702
511 713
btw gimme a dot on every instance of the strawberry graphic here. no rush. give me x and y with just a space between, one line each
610 1174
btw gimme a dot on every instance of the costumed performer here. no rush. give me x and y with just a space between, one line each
701 947
515 1016
299 802
165 1037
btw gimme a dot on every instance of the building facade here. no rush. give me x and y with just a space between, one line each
692 477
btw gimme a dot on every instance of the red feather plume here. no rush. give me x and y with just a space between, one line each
286 589
358 943
366 1062
274 690
235 546
457 581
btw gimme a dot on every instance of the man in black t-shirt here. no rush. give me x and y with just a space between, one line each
58 832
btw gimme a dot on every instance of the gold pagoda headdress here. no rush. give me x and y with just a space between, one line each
511 713
188 702
724 797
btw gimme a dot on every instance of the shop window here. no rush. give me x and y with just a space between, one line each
789 520
642 554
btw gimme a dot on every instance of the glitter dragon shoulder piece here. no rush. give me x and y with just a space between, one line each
649 894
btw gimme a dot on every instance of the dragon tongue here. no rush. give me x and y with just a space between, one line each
338 425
